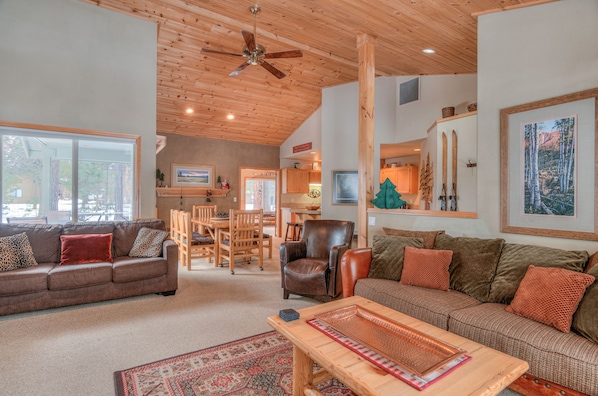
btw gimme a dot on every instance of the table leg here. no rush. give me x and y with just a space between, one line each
303 373
217 247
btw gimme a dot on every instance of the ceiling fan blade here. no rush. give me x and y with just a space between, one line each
211 51
249 40
239 69
272 69
284 54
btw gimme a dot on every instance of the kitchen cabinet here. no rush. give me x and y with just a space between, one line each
405 178
315 177
295 181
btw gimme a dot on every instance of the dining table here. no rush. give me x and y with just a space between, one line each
213 226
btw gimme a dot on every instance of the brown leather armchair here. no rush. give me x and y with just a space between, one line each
311 266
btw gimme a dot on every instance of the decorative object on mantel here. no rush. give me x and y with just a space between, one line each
448 112
426 182
208 195
159 178
218 182
472 107
388 197
225 185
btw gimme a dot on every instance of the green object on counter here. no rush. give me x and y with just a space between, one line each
388 197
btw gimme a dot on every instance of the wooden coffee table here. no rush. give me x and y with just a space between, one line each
487 373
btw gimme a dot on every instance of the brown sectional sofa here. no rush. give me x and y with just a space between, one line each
481 287
51 285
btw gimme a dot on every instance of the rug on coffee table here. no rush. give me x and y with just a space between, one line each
258 365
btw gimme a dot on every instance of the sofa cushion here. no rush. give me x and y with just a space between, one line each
426 268
515 259
98 227
86 248
125 233
148 243
474 263
16 252
564 358
430 305
63 277
44 239
429 237
129 269
585 321
388 255
550 295
25 280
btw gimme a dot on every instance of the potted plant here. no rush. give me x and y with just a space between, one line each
159 178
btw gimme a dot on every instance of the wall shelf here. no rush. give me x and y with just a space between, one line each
166 192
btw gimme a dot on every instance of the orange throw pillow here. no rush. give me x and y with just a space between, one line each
426 268
550 295
86 248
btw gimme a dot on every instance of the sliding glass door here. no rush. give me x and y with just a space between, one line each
59 177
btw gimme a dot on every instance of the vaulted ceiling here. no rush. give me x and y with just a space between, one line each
268 110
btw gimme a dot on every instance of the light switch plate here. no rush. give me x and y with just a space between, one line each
371 221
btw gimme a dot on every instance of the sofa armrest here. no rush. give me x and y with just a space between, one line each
355 265
170 252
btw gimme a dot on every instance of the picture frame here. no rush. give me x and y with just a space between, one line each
548 165
344 187
190 175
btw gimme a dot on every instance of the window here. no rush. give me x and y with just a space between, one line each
67 176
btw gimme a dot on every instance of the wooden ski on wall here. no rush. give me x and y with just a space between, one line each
453 197
443 197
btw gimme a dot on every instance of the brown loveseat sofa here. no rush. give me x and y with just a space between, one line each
48 284
485 275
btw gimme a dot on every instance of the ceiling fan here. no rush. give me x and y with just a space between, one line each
255 53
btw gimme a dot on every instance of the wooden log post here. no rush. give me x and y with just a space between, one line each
366 46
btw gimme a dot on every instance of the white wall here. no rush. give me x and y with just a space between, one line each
64 63
309 132
436 92
524 55
340 110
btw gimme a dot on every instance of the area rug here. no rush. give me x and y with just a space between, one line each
258 365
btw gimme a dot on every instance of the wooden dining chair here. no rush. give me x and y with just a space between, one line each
244 238
193 245
203 213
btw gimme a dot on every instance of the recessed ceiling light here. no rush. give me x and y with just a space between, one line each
428 51
189 110
417 149
230 117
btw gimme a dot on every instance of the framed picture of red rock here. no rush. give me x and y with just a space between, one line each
548 167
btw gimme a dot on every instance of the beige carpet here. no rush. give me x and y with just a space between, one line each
76 350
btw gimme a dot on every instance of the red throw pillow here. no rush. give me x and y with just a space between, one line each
426 268
86 248
550 295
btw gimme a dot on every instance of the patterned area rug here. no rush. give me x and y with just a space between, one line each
258 365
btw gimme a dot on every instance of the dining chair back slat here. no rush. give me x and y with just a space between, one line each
244 238
192 244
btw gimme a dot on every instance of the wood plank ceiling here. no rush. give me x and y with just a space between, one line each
268 110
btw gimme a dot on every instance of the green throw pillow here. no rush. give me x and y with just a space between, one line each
387 255
516 258
474 263
584 320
